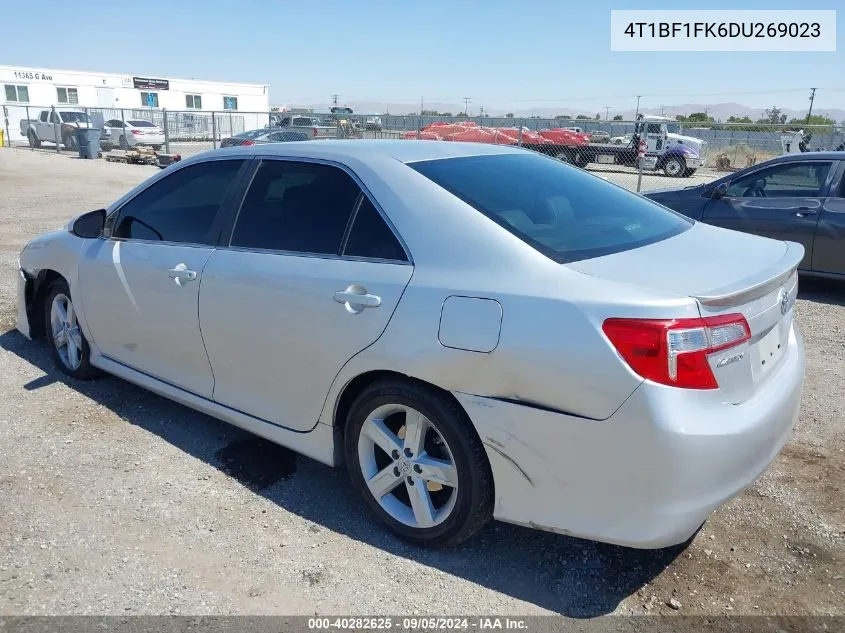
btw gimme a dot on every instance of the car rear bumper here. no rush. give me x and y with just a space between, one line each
649 475
149 140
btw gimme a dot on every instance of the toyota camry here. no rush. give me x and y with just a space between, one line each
478 332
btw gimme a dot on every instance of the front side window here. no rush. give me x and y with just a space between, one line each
149 99
16 94
297 207
230 103
193 102
565 213
789 180
43 116
180 208
67 95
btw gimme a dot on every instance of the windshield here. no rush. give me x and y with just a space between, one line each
563 212
251 134
75 117
141 123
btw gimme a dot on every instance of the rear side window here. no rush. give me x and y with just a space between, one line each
563 212
370 236
296 206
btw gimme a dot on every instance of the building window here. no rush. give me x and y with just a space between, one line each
149 99
230 103
193 102
67 95
17 94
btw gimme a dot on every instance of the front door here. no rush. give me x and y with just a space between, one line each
140 284
312 276
782 202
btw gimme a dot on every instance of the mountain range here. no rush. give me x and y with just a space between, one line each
719 111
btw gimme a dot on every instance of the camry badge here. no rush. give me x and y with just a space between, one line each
784 302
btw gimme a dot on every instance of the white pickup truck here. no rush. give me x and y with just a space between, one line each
51 123
307 124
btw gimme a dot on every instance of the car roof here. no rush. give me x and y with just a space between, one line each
402 150
788 158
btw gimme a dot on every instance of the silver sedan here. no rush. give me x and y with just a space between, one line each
477 331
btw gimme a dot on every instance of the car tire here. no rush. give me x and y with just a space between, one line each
68 345
674 167
124 144
417 505
565 156
33 139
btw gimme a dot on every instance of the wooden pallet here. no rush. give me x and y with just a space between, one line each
139 156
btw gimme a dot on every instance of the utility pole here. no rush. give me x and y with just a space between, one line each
638 107
606 112
334 100
812 97
466 104
422 106
661 111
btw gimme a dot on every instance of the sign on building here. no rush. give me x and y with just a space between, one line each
146 83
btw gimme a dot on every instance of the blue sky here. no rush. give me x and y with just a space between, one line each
501 53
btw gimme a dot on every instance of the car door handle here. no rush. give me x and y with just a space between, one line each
803 212
181 274
356 299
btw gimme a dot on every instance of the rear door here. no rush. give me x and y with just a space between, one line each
829 247
311 276
782 202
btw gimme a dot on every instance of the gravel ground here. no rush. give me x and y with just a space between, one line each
116 501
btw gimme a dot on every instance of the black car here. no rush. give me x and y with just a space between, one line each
796 197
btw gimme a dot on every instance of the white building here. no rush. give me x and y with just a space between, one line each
243 106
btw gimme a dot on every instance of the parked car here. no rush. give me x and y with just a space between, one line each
373 123
312 126
50 123
797 197
126 134
476 331
599 136
265 135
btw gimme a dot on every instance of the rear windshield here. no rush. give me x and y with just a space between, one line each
563 212
141 123
75 117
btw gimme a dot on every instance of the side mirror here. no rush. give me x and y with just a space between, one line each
90 225
719 191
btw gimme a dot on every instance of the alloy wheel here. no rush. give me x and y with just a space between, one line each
65 330
407 466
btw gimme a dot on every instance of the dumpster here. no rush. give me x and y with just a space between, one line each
88 140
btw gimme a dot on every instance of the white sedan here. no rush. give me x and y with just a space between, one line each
126 134
477 331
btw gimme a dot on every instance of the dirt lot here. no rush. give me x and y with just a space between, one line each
116 501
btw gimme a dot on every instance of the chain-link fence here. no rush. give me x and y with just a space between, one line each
666 152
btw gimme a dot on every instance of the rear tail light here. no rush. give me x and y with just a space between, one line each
136 131
248 142
674 351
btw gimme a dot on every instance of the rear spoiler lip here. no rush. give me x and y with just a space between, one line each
759 284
